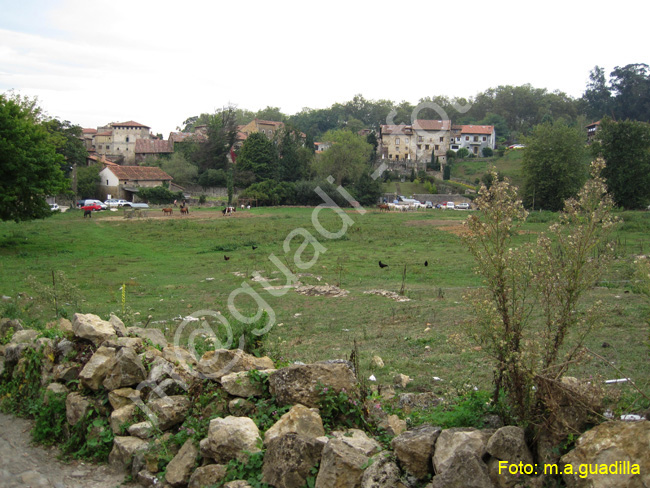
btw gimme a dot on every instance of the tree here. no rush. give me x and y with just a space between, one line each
463 152
487 152
176 166
222 132
213 177
625 146
346 159
68 141
631 87
446 172
597 96
259 155
294 157
88 181
366 190
30 167
554 165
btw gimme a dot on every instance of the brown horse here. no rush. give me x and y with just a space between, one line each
168 211
383 207
185 210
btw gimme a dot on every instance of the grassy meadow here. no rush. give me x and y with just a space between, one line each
174 266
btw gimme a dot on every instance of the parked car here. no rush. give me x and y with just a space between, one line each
93 206
85 203
428 204
136 205
54 207
115 202
463 206
450 205
516 146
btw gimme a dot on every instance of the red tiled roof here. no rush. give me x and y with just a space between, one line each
107 133
269 122
477 129
152 146
421 124
140 173
396 129
89 131
187 136
241 136
130 123
594 124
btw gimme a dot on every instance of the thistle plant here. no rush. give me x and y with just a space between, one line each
532 294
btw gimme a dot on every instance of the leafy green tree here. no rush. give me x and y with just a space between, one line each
30 167
554 165
487 152
625 146
346 159
631 88
446 172
371 139
259 155
294 158
213 177
598 95
463 152
366 190
412 175
222 132
271 113
88 181
68 141
178 167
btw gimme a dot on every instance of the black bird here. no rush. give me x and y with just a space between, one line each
382 265
254 247
426 263
226 258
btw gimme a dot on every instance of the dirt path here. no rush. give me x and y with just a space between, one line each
29 466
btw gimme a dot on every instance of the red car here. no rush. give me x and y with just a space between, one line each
93 206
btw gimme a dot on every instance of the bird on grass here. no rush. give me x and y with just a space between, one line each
382 265
254 247
226 258
426 263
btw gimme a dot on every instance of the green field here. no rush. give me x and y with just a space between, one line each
469 170
175 266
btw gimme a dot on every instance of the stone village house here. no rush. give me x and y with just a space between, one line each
125 181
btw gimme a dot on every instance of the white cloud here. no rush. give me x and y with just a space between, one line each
158 62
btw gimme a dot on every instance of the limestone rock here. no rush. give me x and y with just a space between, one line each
410 401
127 370
414 449
240 407
464 470
122 416
394 425
180 356
76 408
215 364
613 444
299 420
240 385
66 371
6 324
92 328
207 475
122 396
146 478
377 362
341 466
359 441
298 383
180 468
509 444
237 484
118 325
170 410
97 368
55 389
64 348
156 336
25 336
456 441
289 459
124 448
229 437
143 430
382 473
132 342
401 380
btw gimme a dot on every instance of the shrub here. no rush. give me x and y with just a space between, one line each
159 195
487 152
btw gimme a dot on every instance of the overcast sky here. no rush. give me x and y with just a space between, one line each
160 62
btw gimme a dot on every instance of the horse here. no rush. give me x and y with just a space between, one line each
168 211
383 207
88 213
185 210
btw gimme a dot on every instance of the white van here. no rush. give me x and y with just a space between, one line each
451 205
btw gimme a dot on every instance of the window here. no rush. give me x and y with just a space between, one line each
454 147
397 149
437 147
397 141
484 138
390 156
426 147
442 139
106 182
419 146
467 138
420 139
475 138
127 138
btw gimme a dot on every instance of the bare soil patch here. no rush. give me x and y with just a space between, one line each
454 226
